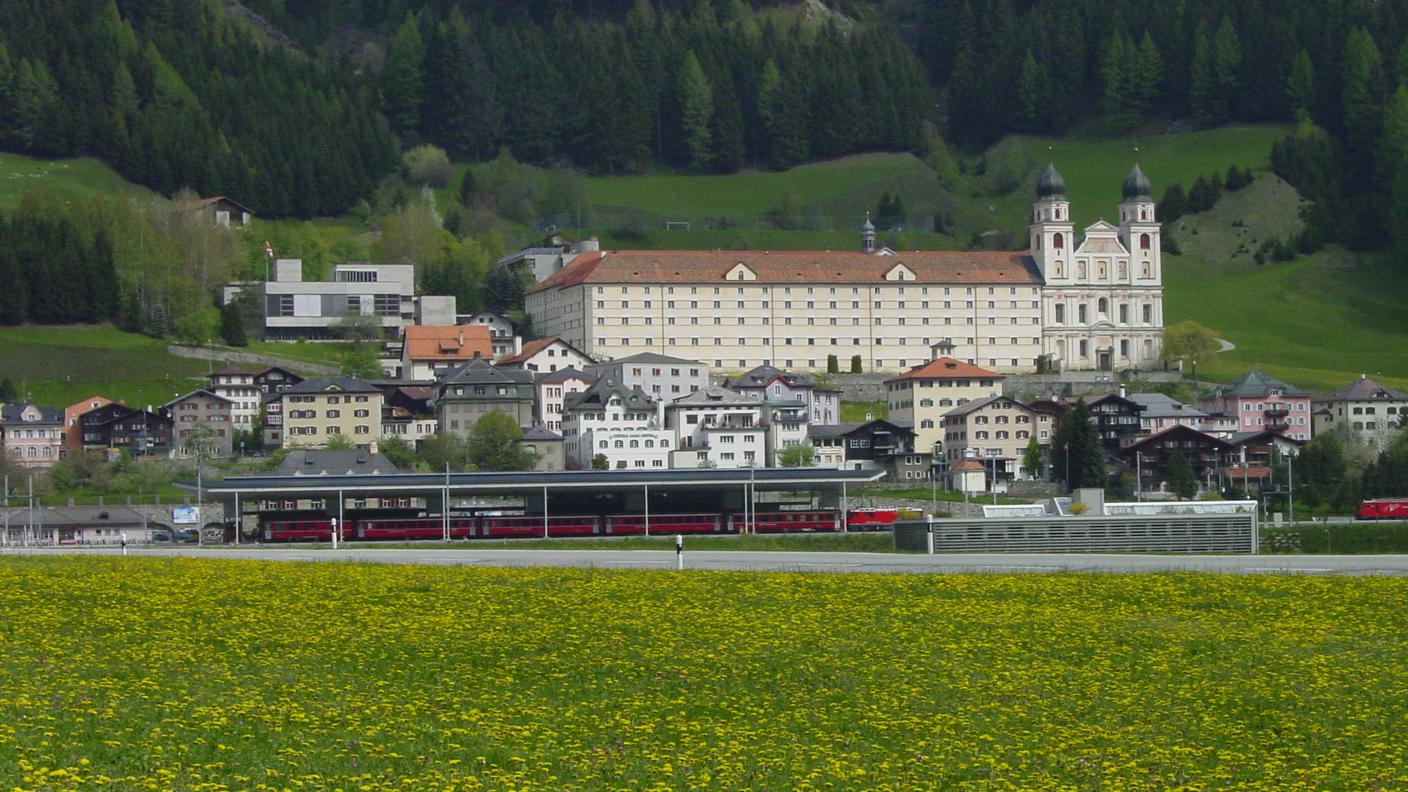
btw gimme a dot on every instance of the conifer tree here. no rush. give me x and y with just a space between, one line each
403 77
696 100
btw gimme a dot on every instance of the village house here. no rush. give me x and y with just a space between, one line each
1149 456
428 352
33 436
551 391
1260 401
546 355
820 403
1364 412
872 445
202 423
219 211
548 446
73 432
998 430
618 422
117 426
322 408
238 387
921 396
716 427
468 393
661 376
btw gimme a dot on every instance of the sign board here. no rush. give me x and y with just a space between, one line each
185 515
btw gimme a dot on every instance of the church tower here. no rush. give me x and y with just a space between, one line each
1139 229
1052 234
867 236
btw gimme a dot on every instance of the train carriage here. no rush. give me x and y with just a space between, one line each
414 528
529 526
1383 509
663 524
794 522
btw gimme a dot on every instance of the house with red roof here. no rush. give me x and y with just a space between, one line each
921 396
546 355
431 351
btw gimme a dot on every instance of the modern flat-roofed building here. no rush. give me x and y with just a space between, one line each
295 308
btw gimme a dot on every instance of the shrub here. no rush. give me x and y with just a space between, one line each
833 365
426 166
855 364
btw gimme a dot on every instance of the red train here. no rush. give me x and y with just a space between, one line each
521 526
1383 509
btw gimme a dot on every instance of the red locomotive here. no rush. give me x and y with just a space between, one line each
1383 509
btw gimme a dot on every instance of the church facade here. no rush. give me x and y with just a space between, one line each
1088 302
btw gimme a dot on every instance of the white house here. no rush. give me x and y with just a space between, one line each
716 427
237 386
778 387
617 422
546 355
660 376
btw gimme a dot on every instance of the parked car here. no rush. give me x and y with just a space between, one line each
161 536
187 535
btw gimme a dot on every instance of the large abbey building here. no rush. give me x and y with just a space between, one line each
1089 302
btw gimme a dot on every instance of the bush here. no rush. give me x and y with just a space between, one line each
833 365
1347 538
426 166
855 364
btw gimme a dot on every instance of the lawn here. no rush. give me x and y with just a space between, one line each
856 411
69 179
200 674
59 366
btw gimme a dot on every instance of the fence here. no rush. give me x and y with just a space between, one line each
1183 533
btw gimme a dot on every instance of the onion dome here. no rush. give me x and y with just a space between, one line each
869 226
1051 185
1136 185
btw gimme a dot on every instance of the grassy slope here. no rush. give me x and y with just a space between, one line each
70 180
1306 321
59 366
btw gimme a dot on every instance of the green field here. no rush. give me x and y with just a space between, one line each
146 673
59 366
70 180
1318 321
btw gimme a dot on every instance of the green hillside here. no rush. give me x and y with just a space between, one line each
68 179
58 366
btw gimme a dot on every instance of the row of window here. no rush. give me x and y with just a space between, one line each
857 341
811 305
330 399
1102 310
898 290
834 321
360 429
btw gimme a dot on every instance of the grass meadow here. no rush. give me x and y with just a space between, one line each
68 179
155 674
59 366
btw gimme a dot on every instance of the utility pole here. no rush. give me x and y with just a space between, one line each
1291 487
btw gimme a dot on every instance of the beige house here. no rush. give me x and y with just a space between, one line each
921 396
202 422
996 429
33 435
319 409
1363 411
1093 302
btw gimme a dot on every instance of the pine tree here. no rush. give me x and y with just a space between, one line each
1226 65
696 100
1362 94
1300 85
1174 203
1202 92
1393 156
1179 476
1148 75
1114 82
7 391
403 77
1029 100
232 326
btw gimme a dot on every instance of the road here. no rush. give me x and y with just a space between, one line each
1396 565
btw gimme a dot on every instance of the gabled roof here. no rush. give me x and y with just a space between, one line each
481 372
201 203
332 385
793 266
714 396
232 371
533 347
198 392
565 374
1158 405
448 342
946 368
11 414
270 369
596 397
978 404
648 357
1174 431
765 375
541 433
848 428
1246 438
1256 384
1365 389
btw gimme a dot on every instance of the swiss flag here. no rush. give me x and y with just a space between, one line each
268 250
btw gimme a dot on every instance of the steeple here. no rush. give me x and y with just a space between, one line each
1137 187
1052 234
1051 187
867 235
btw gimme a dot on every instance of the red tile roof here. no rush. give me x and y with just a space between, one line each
946 367
448 342
530 348
794 267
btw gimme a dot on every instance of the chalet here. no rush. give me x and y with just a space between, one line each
877 444
117 426
73 434
1149 456
546 355
219 211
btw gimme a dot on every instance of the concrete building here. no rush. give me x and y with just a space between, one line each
716 427
552 390
539 263
546 355
33 436
318 409
1093 303
1363 411
997 429
429 352
661 376
202 423
479 387
921 396
1260 401
549 446
621 423
238 387
385 293
822 404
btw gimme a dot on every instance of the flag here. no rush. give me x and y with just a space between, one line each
268 250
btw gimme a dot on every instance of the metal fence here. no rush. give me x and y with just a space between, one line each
1192 533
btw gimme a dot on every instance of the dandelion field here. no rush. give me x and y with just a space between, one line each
196 674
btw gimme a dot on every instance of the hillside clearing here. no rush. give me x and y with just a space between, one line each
69 180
